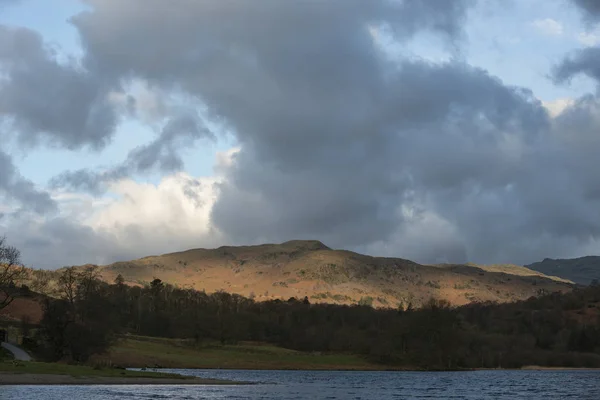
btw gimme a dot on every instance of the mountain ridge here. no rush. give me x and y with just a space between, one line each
582 270
309 268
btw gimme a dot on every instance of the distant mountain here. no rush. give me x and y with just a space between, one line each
582 270
309 268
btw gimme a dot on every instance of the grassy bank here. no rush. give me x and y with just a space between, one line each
39 373
139 351
22 367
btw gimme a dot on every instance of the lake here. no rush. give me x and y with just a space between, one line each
342 385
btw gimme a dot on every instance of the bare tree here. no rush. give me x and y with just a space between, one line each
40 281
68 284
89 279
11 270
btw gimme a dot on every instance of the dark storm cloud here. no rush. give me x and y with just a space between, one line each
436 161
574 209
57 241
191 38
303 86
47 101
590 8
585 62
433 141
338 143
162 154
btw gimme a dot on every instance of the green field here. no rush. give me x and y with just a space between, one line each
139 352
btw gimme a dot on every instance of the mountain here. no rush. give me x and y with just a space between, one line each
582 270
311 269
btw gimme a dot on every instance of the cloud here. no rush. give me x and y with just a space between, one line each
556 107
334 140
582 62
138 220
247 73
14 187
588 38
56 242
179 207
44 101
590 9
548 26
585 61
331 136
162 153
591 14
439 139
443 245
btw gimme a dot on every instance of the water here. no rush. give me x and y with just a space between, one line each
342 385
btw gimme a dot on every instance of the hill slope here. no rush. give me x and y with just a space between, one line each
309 268
582 270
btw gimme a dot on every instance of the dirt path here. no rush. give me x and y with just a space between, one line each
17 352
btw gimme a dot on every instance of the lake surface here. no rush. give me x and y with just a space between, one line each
342 385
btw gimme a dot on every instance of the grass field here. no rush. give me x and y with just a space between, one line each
139 352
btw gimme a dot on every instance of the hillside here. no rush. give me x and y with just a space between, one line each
582 270
309 268
28 308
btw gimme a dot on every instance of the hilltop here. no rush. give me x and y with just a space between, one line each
582 270
310 268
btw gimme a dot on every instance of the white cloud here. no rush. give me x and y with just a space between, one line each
133 220
174 214
548 26
589 38
557 106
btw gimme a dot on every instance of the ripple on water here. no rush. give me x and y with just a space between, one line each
502 385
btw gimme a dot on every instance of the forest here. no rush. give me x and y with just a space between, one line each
551 330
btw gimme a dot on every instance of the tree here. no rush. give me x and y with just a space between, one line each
82 322
156 285
53 328
119 280
68 284
11 270
88 281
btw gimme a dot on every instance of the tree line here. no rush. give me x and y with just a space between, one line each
552 330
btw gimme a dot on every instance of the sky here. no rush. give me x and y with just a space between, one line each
437 131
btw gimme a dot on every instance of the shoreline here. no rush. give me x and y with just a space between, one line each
542 368
375 369
16 378
7 378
